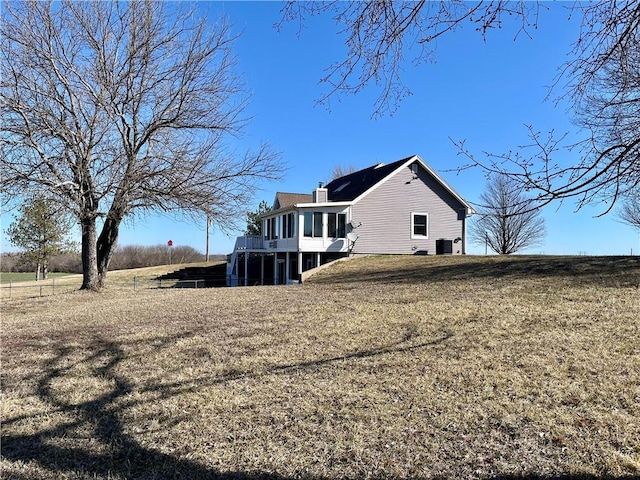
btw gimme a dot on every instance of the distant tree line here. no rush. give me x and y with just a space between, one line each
125 257
22 262
137 256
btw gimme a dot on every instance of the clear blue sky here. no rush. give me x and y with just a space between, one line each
484 92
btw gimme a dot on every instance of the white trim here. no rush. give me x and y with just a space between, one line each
430 171
324 204
413 235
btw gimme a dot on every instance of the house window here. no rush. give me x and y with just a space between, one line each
336 225
313 224
274 231
308 224
290 225
419 225
270 230
288 228
267 229
317 224
342 225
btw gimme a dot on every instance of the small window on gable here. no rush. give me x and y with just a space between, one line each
419 225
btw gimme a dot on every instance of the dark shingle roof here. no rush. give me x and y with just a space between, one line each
351 186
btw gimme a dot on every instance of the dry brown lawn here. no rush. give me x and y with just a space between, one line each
381 367
143 278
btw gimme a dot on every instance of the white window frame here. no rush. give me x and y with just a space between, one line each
413 216
315 214
336 216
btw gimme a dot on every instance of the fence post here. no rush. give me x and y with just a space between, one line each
53 288
40 290
135 283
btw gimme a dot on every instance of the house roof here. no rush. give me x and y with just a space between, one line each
284 200
351 186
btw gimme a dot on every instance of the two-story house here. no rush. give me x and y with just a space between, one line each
403 207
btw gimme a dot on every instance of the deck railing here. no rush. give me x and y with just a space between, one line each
249 242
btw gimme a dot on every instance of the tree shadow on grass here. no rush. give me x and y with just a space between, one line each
111 451
119 455
605 271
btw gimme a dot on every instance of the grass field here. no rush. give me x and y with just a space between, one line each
6 277
381 367
23 285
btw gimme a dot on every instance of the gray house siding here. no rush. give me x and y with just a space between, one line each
385 215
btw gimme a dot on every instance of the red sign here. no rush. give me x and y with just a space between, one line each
170 243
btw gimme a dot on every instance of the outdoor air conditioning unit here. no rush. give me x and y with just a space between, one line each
444 246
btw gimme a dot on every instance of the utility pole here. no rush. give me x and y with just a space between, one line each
206 254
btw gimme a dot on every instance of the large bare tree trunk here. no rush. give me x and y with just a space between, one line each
105 246
90 280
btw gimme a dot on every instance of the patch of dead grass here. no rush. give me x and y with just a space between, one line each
144 277
445 373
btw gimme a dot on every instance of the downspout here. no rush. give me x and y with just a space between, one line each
464 232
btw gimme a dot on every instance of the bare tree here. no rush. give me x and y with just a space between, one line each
342 170
507 220
380 35
629 212
120 108
605 165
597 77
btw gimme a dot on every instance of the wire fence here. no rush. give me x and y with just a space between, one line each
45 288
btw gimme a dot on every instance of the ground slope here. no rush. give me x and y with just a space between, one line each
381 367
